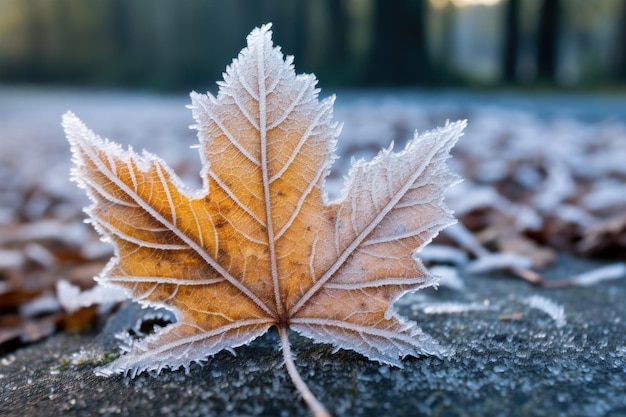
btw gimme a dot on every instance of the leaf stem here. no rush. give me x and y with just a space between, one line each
314 404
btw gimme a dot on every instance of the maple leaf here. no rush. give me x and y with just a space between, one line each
261 245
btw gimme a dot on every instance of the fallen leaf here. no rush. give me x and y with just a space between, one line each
541 256
261 245
605 235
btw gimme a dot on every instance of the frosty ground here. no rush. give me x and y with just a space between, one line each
546 171
510 360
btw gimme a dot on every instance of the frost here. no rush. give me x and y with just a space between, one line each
576 215
558 186
46 303
554 310
11 258
454 308
464 238
498 261
609 272
605 194
468 197
70 233
443 254
448 277
39 254
72 299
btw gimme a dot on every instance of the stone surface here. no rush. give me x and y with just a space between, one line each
511 359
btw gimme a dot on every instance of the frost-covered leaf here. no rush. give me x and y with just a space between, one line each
260 245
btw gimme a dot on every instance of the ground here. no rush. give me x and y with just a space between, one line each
504 364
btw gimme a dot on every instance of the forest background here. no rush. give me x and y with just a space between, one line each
183 44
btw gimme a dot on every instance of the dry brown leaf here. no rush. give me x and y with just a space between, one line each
260 245
605 235
541 256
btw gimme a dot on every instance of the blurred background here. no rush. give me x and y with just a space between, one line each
183 44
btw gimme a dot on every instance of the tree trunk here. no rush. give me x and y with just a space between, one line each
119 29
399 51
619 46
35 45
511 41
547 40
339 42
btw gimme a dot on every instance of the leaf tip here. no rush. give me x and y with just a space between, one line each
72 126
260 34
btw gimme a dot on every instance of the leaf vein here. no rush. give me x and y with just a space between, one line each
227 133
106 195
124 236
399 236
305 136
370 227
156 215
291 107
164 280
375 283
168 194
301 201
233 197
357 328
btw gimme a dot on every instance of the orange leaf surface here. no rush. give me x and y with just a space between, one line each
260 244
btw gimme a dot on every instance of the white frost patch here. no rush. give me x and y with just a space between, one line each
40 254
96 250
443 254
554 310
10 258
454 308
469 196
574 214
466 239
558 186
499 261
47 303
71 298
69 233
605 194
613 271
447 277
